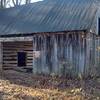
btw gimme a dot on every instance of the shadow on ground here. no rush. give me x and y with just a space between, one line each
39 81
29 87
1 95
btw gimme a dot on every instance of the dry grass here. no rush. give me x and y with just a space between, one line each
22 86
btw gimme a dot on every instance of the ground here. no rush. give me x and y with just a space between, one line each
24 86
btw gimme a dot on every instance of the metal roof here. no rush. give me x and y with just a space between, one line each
48 16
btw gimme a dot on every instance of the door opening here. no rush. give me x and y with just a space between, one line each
21 59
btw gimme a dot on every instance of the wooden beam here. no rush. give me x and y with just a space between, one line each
11 39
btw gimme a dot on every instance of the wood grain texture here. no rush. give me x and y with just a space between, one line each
65 53
1 57
10 50
61 54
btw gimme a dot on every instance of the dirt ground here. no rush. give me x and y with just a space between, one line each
24 86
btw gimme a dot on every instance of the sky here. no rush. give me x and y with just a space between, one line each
11 4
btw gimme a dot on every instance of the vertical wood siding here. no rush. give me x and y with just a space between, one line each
92 58
61 54
95 56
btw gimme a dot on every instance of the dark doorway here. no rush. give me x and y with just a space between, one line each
21 59
99 26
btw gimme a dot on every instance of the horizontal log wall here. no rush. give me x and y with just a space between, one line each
0 57
15 39
10 50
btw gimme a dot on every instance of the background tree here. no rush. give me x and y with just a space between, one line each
3 3
19 2
11 3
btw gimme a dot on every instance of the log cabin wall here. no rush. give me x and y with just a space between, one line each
10 50
1 56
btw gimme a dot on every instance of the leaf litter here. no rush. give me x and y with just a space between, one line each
24 86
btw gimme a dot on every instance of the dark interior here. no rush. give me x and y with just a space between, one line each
99 26
21 59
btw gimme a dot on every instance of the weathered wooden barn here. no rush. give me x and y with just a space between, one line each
58 37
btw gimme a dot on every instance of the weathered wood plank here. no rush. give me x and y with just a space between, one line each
62 54
10 50
1 57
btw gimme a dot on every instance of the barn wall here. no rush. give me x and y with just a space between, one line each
89 61
60 54
0 56
92 67
67 54
96 69
10 50
92 56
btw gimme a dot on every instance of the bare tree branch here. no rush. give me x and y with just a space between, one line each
6 3
14 3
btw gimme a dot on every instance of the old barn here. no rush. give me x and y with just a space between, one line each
58 37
